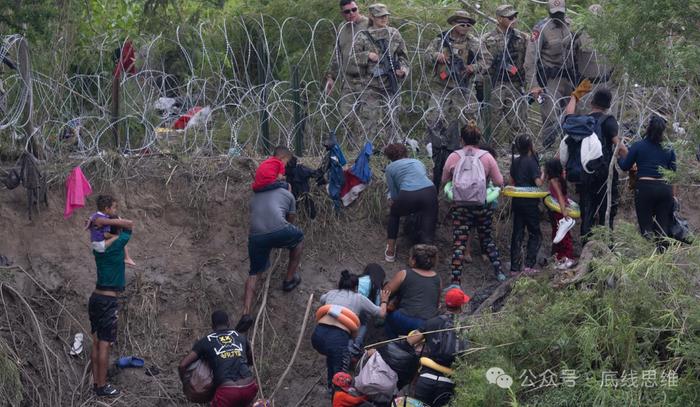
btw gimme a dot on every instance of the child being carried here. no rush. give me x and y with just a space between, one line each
103 227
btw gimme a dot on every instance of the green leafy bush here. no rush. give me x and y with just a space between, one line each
628 332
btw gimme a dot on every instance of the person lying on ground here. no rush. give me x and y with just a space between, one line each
331 338
271 216
103 306
417 291
434 385
100 225
410 191
270 174
230 358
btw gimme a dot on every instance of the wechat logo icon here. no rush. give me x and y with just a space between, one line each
497 376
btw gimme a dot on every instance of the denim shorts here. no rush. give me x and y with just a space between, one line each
260 246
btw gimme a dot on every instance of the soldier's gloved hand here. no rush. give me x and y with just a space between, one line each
582 89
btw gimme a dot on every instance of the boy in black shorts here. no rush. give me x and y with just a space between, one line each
103 306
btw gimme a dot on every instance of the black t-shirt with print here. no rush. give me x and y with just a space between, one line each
227 353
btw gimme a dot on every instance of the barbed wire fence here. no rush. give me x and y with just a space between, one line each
261 82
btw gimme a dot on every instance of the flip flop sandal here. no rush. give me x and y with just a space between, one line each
387 258
288 286
152 371
106 391
129 361
77 347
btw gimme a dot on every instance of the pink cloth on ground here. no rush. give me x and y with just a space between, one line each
490 166
77 188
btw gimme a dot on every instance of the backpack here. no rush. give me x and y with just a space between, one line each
469 178
376 379
444 346
198 382
581 151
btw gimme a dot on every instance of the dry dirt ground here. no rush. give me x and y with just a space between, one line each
190 245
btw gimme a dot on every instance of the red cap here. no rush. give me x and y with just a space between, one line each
455 297
342 380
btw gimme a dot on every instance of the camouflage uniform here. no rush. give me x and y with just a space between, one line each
451 104
592 65
504 54
552 47
379 110
344 68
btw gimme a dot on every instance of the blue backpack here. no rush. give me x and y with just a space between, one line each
577 128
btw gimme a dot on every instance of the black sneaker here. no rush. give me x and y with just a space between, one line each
244 323
288 286
107 391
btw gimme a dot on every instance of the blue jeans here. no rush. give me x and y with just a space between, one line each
332 342
397 323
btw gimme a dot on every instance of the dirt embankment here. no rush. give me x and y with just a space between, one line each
190 245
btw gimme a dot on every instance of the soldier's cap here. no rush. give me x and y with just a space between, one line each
460 17
506 10
379 10
557 6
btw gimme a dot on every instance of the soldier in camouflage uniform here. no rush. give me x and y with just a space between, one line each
504 54
343 68
454 58
590 63
550 67
380 53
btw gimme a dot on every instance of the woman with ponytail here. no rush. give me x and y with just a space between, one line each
331 337
653 196
473 215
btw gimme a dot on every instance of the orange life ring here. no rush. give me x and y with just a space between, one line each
344 315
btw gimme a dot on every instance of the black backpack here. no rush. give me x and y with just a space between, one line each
444 346
578 128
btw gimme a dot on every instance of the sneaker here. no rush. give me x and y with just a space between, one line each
288 286
561 264
528 271
106 391
244 323
565 225
569 263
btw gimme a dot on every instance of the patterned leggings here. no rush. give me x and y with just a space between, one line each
464 218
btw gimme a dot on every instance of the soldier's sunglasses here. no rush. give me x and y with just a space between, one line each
513 17
350 10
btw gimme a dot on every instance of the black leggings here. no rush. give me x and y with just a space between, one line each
653 201
423 202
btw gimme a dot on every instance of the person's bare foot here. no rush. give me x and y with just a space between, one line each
129 261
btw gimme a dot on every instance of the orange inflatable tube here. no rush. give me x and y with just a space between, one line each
342 314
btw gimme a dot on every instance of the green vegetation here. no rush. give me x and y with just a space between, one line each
629 333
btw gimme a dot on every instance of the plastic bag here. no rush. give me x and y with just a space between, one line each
198 382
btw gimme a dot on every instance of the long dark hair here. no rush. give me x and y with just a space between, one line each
554 170
655 129
348 281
